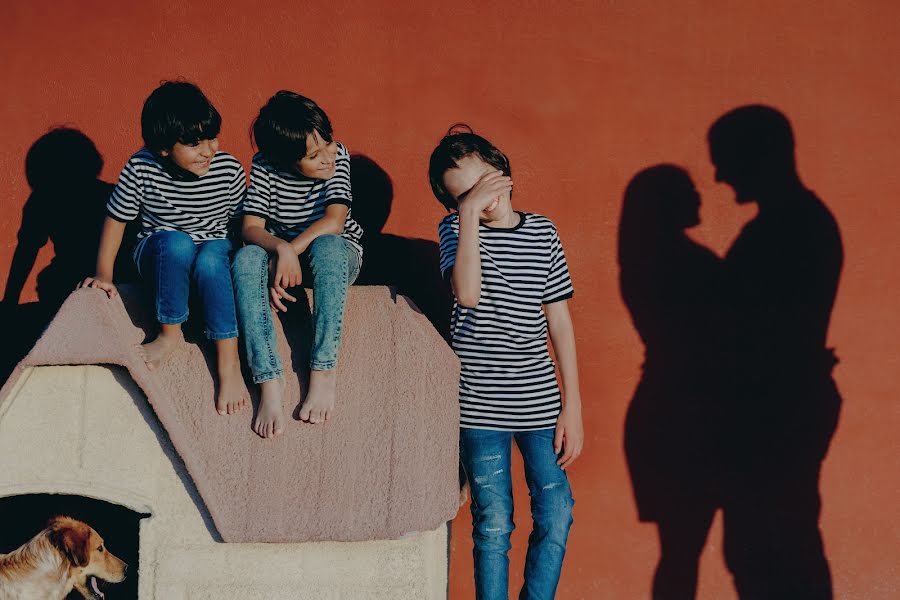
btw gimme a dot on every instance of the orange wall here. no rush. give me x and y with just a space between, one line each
580 97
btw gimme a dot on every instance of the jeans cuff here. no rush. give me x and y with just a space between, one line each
267 376
211 335
322 366
172 320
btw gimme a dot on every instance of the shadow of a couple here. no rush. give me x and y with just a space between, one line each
736 405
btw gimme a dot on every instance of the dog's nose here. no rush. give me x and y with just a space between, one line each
124 567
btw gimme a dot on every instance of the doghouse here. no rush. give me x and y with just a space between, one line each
355 508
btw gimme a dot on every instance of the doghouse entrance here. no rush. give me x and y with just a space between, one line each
24 516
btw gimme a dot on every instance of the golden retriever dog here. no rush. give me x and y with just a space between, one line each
67 554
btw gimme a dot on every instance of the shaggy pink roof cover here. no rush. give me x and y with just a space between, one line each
383 466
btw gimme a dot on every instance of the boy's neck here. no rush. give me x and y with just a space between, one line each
511 221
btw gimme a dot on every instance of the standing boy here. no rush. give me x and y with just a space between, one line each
511 285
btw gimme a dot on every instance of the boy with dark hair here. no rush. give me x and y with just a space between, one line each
297 210
185 191
511 285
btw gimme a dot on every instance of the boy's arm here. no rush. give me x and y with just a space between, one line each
110 240
338 198
332 222
569 427
286 268
466 277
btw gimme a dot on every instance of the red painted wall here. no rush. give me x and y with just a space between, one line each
581 96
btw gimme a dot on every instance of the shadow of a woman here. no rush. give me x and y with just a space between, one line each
671 286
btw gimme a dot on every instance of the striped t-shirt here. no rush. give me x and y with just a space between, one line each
507 380
199 206
290 202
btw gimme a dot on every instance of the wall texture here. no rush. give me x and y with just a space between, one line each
581 96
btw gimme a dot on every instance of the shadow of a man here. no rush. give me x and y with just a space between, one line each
782 274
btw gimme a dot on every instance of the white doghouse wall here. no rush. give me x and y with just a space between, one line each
88 430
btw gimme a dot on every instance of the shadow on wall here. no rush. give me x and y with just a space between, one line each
673 288
67 207
410 264
736 406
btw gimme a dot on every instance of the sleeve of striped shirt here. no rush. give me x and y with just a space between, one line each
125 201
259 194
559 285
337 189
448 242
237 191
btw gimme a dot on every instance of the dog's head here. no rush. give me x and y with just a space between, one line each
90 563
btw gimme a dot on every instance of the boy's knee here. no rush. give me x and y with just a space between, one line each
493 527
552 507
327 245
174 245
210 262
249 260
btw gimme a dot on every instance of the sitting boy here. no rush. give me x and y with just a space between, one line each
185 192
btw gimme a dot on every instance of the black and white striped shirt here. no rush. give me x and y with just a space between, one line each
200 207
507 379
290 202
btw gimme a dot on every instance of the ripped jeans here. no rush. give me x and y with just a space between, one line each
485 456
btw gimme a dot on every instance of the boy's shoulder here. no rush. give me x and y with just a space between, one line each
260 162
452 220
145 159
539 224
225 159
225 164
537 219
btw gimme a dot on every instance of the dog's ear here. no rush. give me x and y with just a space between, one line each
72 538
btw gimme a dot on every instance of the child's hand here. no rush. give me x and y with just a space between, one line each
569 435
276 295
485 192
286 273
100 284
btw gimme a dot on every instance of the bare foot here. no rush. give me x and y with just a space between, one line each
270 418
319 403
233 395
155 352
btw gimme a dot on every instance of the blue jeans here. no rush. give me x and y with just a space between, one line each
485 456
170 261
333 264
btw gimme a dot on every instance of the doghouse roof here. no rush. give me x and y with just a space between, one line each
385 465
